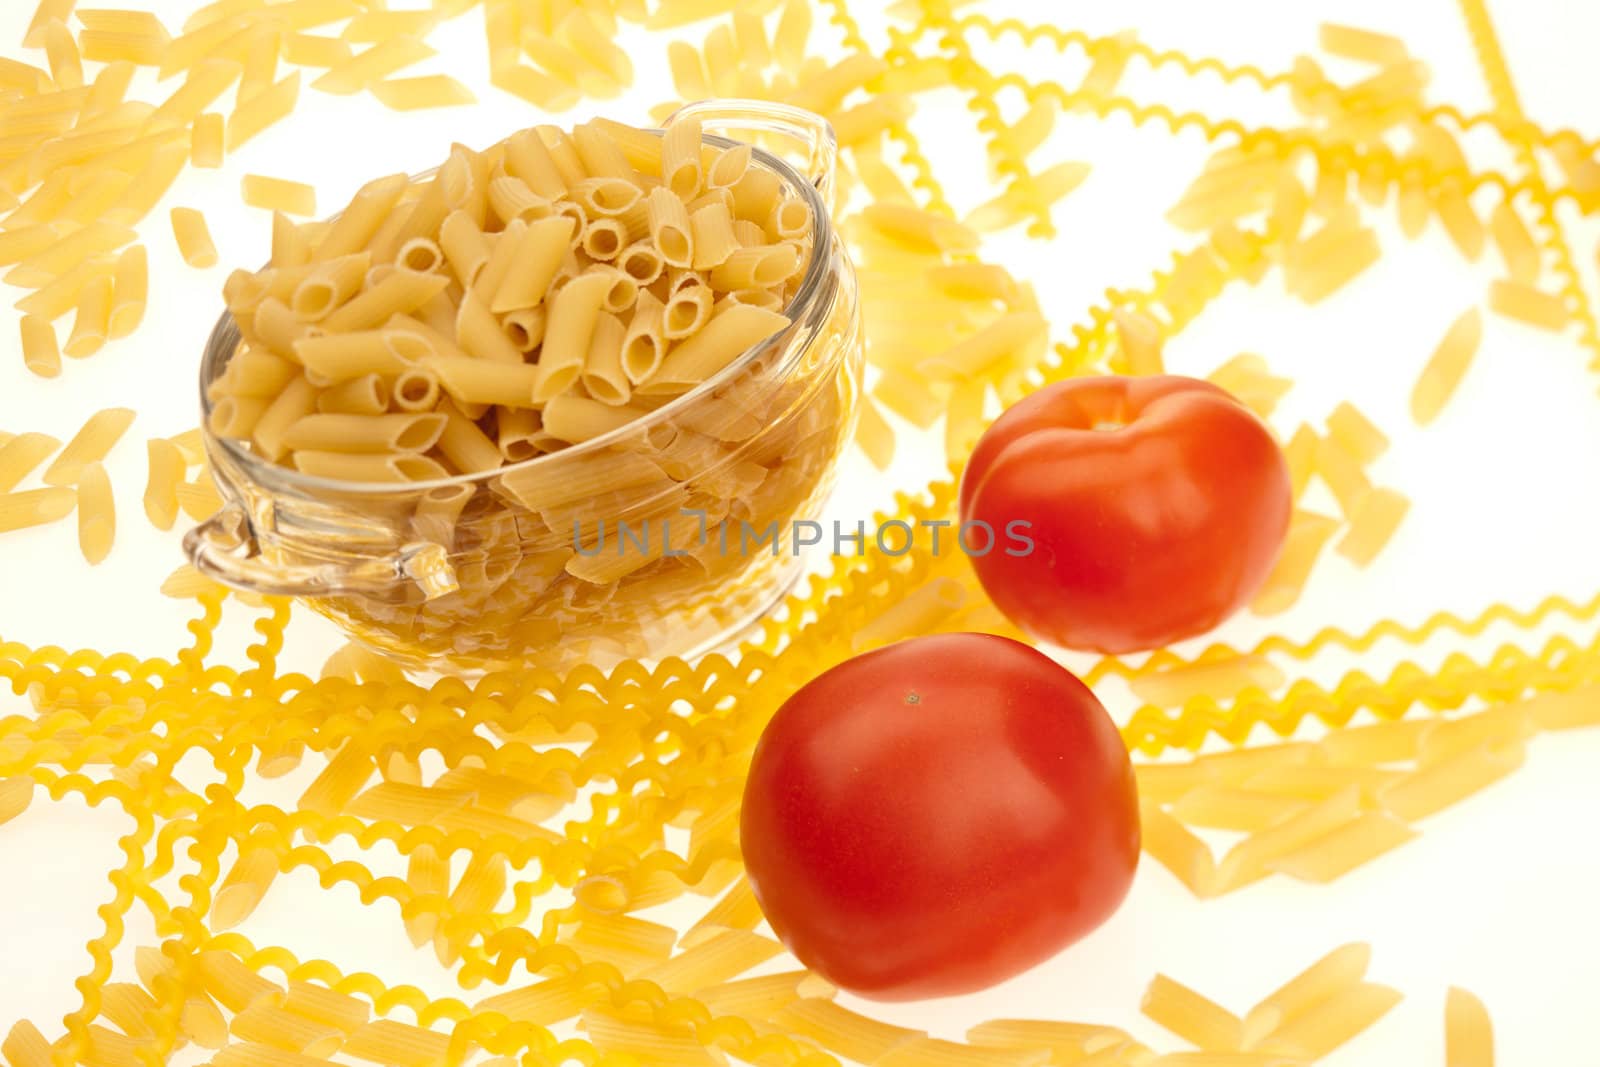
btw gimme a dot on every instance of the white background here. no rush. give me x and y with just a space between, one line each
1497 895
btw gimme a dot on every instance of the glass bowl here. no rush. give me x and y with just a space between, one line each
660 538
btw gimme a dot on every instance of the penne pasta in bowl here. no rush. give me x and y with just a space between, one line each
562 400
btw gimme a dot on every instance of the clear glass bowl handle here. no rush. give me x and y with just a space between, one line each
224 548
813 133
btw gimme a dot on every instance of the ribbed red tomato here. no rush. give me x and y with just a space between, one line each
1156 508
935 816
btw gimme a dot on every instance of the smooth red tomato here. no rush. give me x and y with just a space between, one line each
1156 507
938 815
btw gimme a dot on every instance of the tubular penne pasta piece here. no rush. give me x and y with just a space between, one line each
1191 1016
790 220
649 1042
1248 861
529 159
574 310
1310 782
643 344
1446 367
416 94
234 985
328 285
579 33
1437 786
756 267
729 335
397 1044
842 1031
1372 525
125 1006
575 419
919 230
398 294
539 254
66 65
542 1003
537 487
1334 974
207 141
342 357
365 433
512 199
728 167
236 416
35 507
298 399
373 65
1337 853
670 228
1516 244
1309 532
353 231
1069 1040
526 328
41 353
719 958
310 50
599 155
924 609
1468 1031
641 262
167 469
603 375
875 436
416 389
1355 433
199 499
622 291
241 891
998 341
681 149
20 455
420 255
603 239
612 197
686 313
1565 711
1225 807
465 247
1322 1028
1524 303
271 1026
278 194
93 441
194 238
1173 687
69 252
129 292
475 381
428 874
369 467
413 805
1446 739
319 1004
290 246
267 107
761 997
